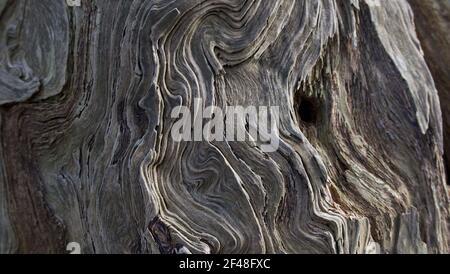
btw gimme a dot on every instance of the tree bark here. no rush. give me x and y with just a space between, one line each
86 154
432 20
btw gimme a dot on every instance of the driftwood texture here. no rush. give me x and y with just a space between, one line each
432 20
86 155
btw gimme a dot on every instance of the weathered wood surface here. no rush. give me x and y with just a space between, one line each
432 20
86 155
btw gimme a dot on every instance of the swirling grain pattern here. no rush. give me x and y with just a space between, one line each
85 100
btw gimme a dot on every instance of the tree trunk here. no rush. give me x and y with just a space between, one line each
87 155
432 20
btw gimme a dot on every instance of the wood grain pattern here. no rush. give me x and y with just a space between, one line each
86 156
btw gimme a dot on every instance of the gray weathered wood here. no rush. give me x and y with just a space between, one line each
86 156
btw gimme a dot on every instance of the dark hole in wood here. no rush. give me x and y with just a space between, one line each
308 110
